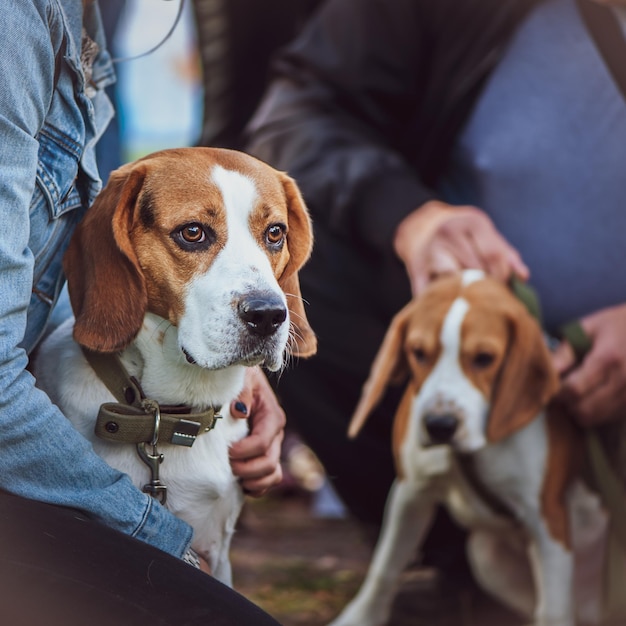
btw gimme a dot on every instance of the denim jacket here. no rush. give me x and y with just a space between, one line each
52 110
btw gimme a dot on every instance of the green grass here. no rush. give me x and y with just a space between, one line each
300 590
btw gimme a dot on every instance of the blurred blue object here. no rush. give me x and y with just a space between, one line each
109 148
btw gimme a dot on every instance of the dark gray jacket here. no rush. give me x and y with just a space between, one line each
367 102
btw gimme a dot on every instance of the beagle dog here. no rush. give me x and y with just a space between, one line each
472 433
186 266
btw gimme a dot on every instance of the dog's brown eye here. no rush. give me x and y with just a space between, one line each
275 234
483 360
194 237
420 356
194 233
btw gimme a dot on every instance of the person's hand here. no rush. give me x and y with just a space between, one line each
438 238
204 566
255 460
595 391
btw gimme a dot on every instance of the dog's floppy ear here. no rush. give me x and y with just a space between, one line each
526 382
106 285
299 243
389 366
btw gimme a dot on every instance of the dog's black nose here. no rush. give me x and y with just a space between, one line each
263 313
441 426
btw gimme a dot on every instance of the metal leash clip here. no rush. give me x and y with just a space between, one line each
154 458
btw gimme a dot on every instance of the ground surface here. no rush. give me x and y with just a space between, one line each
303 570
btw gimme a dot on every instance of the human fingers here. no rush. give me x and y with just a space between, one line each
594 391
258 487
583 379
204 565
266 418
563 358
440 260
258 473
455 238
440 245
239 406
604 404
255 459
497 257
254 379
260 442
461 250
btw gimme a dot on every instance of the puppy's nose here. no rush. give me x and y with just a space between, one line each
441 426
263 313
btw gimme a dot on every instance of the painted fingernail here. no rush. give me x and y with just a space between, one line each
241 407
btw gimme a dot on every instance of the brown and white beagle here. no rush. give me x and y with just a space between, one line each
472 433
187 267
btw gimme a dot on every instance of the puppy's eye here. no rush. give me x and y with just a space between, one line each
482 360
194 233
194 236
420 356
275 234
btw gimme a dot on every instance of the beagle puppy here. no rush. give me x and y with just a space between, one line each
472 433
186 266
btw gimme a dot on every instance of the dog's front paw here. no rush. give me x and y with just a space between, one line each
434 461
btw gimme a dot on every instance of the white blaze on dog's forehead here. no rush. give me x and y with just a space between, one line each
451 329
238 192
471 276
447 372
240 196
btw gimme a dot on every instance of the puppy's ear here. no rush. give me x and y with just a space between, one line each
526 382
389 366
106 285
300 244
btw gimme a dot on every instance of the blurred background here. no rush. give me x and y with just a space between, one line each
205 71
158 97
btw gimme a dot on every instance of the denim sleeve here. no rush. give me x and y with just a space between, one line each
41 455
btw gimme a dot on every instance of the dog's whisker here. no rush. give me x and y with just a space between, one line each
291 349
297 315
298 296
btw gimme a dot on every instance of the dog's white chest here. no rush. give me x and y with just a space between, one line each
440 471
201 488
